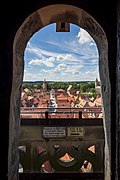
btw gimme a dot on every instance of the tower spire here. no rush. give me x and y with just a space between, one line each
44 85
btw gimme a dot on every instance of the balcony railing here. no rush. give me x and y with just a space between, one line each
51 112
48 138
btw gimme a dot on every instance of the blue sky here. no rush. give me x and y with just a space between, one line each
61 56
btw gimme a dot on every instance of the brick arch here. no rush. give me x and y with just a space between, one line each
37 20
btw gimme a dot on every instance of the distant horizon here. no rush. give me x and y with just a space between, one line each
59 81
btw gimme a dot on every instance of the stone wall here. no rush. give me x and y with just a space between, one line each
33 23
117 175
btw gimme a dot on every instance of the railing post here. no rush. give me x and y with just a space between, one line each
80 114
46 114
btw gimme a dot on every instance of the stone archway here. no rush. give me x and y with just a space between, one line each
32 24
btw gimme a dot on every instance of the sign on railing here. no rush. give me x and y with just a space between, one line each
54 132
62 132
75 131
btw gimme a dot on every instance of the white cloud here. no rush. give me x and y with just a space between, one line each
37 51
30 76
69 59
48 64
39 62
64 57
51 59
84 37
66 75
60 68
36 62
73 71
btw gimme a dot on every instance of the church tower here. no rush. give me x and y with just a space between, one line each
44 85
97 86
96 83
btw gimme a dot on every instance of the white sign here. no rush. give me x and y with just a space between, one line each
54 132
75 131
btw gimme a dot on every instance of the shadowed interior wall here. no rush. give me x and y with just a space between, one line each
118 97
11 18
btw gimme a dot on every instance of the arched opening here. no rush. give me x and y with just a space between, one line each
32 24
55 66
